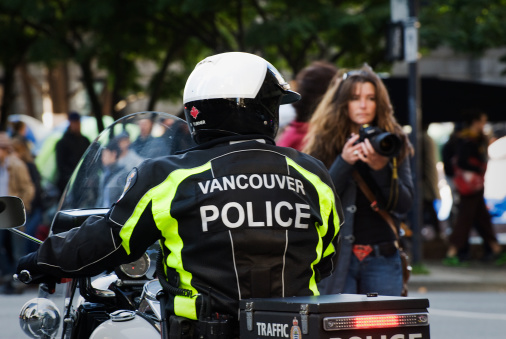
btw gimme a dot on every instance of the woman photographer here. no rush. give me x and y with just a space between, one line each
369 259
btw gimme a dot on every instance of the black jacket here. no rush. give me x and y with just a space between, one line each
236 221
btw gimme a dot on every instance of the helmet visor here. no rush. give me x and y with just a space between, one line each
288 96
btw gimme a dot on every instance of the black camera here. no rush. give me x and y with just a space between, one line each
384 143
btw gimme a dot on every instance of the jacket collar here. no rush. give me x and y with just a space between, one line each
230 140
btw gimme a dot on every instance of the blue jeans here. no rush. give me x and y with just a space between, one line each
375 274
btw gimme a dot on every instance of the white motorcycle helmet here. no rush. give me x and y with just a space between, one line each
234 93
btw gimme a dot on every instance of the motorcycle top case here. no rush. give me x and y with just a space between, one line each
336 316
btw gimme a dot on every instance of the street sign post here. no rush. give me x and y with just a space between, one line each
404 11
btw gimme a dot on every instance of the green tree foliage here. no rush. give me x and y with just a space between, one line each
469 26
15 39
112 36
347 33
63 29
289 34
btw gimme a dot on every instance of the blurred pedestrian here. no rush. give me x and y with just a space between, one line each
449 158
469 178
311 82
142 145
369 257
113 177
19 129
69 150
127 158
34 217
14 180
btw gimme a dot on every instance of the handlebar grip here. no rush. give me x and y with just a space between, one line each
24 276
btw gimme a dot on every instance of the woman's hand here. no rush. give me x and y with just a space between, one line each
351 152
368 155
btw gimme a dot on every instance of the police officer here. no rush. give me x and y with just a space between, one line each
237 216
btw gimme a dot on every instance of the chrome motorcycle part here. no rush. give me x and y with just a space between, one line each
39 318
150 289
122 315
137 269
24 276
149 304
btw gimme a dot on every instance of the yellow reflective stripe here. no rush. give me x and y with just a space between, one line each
330 249
162 197
327 206
185 307
128 227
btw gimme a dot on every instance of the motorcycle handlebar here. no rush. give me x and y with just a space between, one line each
24 276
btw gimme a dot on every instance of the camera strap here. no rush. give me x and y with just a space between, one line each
394 187
406 268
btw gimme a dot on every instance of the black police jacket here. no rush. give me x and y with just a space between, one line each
238 220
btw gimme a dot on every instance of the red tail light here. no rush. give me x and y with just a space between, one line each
375 321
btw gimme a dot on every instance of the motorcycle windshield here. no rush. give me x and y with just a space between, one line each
99 178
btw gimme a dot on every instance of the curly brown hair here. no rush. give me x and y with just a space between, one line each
330 126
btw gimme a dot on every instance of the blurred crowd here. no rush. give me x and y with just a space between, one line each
44 193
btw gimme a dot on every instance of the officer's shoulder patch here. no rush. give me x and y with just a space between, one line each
130 182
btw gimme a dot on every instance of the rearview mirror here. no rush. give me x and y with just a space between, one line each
12 212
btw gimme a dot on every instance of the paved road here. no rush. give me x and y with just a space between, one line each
10 305
466 315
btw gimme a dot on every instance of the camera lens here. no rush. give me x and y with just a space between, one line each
387 144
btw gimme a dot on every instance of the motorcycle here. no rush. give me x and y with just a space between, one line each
126 303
